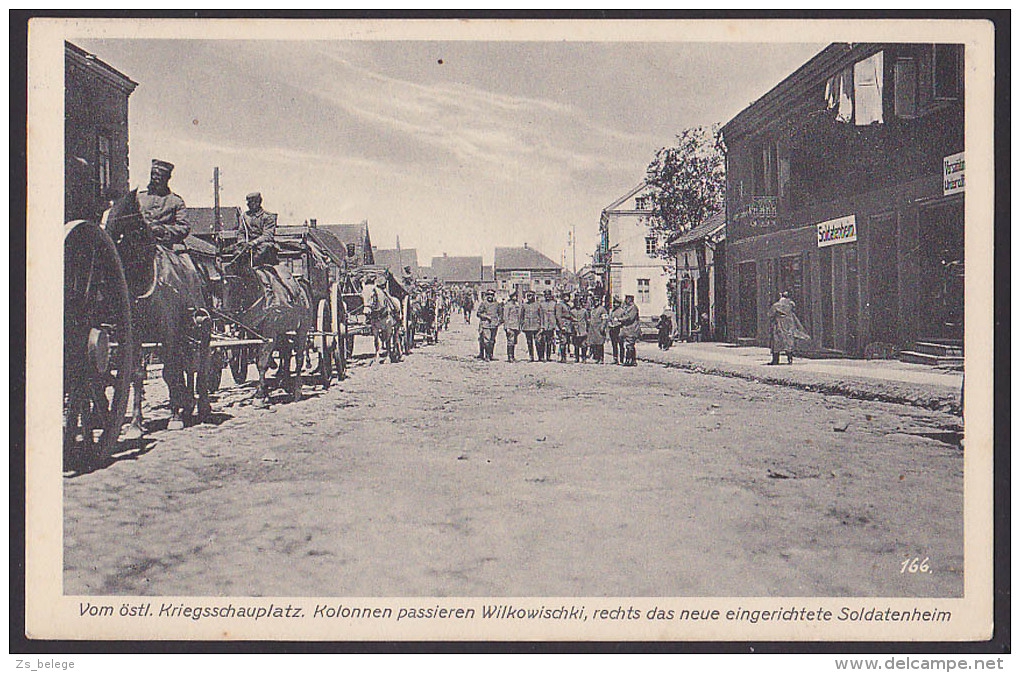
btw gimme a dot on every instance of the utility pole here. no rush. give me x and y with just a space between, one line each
573 245
217 224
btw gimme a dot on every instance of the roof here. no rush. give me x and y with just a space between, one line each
522 259
99 67
777 101
487 275
396 259
641 186
347 233
458 269
202 220
715 223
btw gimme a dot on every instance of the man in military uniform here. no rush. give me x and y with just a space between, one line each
564 324
630 330
531 324
513 316
488 323
163 211
546 338
258 230
613 325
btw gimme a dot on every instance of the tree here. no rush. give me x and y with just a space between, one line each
687 181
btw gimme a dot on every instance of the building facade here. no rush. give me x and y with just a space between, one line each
700 270
95 134
628 253
845 189
524 270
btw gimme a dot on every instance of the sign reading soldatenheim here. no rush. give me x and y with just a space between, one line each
443 496
840 230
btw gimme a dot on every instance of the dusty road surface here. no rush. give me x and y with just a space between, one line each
444 475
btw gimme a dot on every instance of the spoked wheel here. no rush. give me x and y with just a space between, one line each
323 342
338 326
98 346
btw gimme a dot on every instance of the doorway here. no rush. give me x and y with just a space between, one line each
941 240
883 279
747 279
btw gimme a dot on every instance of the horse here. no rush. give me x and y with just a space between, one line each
268 301
170 308
382 312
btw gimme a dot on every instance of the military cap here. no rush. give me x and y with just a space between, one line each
162 167
252 195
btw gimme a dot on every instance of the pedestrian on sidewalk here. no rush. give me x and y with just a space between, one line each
564 325
547 335
630 330
512 321
488 323
579 317
784 329
531 325
665 330
614 324
598 319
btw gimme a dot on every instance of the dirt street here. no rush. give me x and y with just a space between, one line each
444 475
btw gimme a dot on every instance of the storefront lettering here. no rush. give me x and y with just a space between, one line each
840 230
952 174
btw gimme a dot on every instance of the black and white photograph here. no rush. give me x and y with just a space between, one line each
440 330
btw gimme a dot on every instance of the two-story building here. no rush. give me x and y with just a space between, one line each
524 270
628 254
95 134
845 188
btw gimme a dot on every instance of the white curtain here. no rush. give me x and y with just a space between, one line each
868 90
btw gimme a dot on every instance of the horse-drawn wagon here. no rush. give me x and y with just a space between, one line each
361 323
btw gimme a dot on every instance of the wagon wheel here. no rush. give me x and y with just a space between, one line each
323 343
338 327
98 344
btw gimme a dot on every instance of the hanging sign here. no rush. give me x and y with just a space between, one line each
952 174
840 230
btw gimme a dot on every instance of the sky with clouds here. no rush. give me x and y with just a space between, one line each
455 147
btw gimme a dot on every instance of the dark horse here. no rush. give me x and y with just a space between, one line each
270 302
169 307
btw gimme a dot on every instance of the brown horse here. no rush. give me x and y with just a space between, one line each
268 301
169 308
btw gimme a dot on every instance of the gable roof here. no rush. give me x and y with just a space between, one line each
522 258
395 260
203 220
458 269
641 186
353 233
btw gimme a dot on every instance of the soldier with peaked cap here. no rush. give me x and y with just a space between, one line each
531 324
513 320
163 211
258 230
613 326
546 338
564 325
598 317
488 323
630 330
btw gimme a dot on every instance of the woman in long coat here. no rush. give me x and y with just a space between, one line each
598 325
784 328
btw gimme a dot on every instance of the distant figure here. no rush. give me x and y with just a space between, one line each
513 315
614 324
630 330
579 318
564 325
598 319
531 325
784 329
665 330
468 305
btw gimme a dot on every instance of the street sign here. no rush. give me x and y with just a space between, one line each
840 230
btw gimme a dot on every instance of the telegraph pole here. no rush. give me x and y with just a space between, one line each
573 245
218 225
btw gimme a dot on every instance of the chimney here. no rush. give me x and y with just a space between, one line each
313 223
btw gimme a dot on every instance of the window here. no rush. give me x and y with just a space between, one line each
644 290
105 165
641 203
651 245
548 282
351 250
868 85
905 88
947 61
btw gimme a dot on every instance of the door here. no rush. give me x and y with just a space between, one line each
883 279
941 301
747 288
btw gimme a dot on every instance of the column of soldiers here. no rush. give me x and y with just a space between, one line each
568 327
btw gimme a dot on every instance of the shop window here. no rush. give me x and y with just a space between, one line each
644 290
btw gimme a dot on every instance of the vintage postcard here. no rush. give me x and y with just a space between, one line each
509 330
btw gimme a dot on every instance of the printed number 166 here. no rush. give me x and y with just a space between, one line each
915 565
